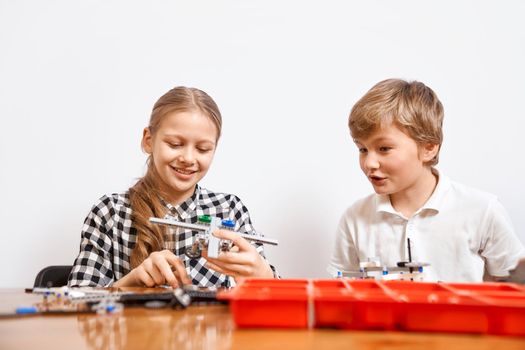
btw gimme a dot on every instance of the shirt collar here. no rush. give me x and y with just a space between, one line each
383 204
184 209
435 202
437 199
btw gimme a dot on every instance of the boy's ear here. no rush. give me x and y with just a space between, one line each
147 141
428 151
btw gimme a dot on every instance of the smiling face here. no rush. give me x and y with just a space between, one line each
182 149
393 162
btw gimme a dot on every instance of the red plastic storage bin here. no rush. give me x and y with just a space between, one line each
269 303
435 307
507 313
352 305
491 308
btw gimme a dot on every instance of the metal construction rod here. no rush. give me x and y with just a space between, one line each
170 222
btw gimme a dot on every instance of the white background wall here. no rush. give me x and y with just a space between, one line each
78 80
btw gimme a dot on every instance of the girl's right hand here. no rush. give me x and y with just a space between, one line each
159 268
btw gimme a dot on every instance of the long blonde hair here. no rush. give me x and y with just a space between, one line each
146 194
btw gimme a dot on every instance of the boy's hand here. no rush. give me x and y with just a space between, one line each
242 260
159 268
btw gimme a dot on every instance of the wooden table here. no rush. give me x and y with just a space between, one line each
203 327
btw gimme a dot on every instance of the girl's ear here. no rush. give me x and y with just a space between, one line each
429 151
147 141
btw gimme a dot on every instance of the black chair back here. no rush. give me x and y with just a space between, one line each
52 276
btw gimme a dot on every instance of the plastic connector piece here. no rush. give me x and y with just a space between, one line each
26 310
205 219
227 223
181 298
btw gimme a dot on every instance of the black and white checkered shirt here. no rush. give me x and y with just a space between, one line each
108 237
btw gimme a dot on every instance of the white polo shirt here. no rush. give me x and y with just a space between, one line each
459 231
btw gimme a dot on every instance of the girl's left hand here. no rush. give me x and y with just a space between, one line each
242 260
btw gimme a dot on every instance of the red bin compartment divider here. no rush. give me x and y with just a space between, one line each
487 308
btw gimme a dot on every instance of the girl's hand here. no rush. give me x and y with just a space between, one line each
242 260
159 268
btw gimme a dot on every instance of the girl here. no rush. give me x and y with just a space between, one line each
119 247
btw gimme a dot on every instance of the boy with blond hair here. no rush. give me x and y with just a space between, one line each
463 233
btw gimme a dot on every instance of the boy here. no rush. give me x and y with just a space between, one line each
462 232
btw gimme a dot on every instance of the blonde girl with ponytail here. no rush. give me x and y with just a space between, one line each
120 247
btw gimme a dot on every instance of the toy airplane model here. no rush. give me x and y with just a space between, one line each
205 238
